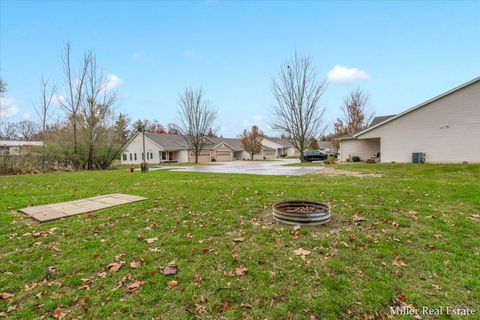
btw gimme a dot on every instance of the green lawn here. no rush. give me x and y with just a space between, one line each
411 237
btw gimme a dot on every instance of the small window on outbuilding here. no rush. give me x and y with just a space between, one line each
130 157
124 157
135 156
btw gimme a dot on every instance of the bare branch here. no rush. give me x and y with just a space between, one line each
196 117
297 110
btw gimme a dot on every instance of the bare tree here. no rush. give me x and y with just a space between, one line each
8 131
96 109
356 115
252 141
172 129
297 111
196 117
26 129
42 108
71 101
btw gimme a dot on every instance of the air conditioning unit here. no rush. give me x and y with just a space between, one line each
418 157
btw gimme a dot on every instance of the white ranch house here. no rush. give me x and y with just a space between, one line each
167 147
446 129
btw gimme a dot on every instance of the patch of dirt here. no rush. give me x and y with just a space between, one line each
336 172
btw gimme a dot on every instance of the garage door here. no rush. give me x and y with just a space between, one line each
224 156
204 156
270 154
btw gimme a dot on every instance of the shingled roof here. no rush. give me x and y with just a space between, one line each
380 119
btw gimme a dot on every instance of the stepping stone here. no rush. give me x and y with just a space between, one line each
60 210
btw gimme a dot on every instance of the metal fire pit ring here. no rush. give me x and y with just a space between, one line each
295 212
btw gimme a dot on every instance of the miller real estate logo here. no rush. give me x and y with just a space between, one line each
432 311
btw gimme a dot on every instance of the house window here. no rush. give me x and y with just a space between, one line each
164 155
148 155
135 156
130 157
124 157
151 155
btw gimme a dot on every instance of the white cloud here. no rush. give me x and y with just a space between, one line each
344 75
8 107
113 82
57 99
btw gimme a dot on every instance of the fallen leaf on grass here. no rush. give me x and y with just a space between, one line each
134 286
135 264
29 287
6 295
241 239
115 266
60 314
171 269
246 305
399 263
358 218
172 283
151 240
240 271
301 252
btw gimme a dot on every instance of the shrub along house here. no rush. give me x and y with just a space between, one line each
443 129
166 147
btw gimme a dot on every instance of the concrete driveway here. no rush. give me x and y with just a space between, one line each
250 167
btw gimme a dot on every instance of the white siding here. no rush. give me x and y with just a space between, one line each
181 156
136 147
447 130
360 148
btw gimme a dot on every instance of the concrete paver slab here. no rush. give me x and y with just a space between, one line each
60 210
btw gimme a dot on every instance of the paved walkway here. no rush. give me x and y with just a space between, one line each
70 208
275 167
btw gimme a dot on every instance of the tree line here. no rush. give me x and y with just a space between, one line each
91 134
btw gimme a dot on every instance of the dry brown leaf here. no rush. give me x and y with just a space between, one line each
171 269
301 252
240 271
399 263
172 283
115 266
151 240
29 287
6 295
59 313
134 286
246 305
135 264
241 239
358 218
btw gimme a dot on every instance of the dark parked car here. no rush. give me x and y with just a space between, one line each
314 155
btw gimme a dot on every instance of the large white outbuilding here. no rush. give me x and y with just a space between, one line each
446 129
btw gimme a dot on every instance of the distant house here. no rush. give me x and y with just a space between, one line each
167 147
16 147
326 146
283 147
445 129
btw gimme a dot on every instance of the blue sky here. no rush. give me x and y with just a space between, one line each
401 53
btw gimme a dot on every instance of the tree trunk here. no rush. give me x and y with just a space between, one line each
196 157
251 156
90 157
302 159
